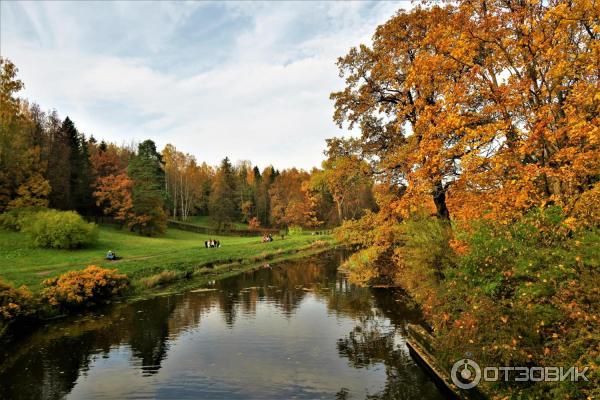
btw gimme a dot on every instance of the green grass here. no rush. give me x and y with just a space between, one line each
21 264
206 221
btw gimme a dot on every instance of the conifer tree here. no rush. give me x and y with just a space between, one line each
148 193
222 203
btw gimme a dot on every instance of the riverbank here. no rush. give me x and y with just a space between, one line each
142 257
154 266
203 275
297 329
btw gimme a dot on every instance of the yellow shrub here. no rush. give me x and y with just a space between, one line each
84 288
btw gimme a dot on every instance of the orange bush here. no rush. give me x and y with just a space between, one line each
14 302
84 288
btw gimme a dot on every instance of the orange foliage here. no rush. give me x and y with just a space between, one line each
486 109
292 203
86 287
14 302
253 223
113 194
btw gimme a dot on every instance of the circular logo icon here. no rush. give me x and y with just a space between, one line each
465 373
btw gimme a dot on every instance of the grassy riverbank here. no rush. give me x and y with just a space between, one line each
143 257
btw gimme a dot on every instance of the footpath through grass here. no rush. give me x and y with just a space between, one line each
21 264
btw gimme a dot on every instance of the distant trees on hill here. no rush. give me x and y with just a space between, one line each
48 162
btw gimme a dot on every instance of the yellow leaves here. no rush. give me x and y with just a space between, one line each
504 319
90 285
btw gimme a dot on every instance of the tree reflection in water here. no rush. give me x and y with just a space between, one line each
51 362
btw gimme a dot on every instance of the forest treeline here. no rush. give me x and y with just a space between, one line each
46 161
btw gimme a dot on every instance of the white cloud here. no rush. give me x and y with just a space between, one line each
267 102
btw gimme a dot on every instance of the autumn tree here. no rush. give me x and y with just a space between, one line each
486 113
325 206
113 195
395 94
291 201
185 182
206 175
22 168
536 70
108 159
148 192
488 103
244 184
348 179
113 188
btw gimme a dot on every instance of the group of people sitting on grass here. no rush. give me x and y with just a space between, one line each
212 243
267 238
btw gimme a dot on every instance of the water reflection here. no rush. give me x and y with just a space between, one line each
293 330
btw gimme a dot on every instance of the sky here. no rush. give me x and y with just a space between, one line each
246 80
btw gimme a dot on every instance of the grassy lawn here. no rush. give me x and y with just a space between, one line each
21 264
207 222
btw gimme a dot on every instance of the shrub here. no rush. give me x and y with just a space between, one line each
17 218
84 288
59 229
363 265
526 293
14 302
426 244
356 232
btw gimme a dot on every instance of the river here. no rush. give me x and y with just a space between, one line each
294 330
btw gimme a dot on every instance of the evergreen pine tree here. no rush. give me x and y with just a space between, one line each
59 165
148 193
222 204
80 179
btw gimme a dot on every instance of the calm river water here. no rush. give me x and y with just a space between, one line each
296 330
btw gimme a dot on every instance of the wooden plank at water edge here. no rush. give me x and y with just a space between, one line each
422 345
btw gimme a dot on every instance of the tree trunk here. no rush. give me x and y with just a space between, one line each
439 199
